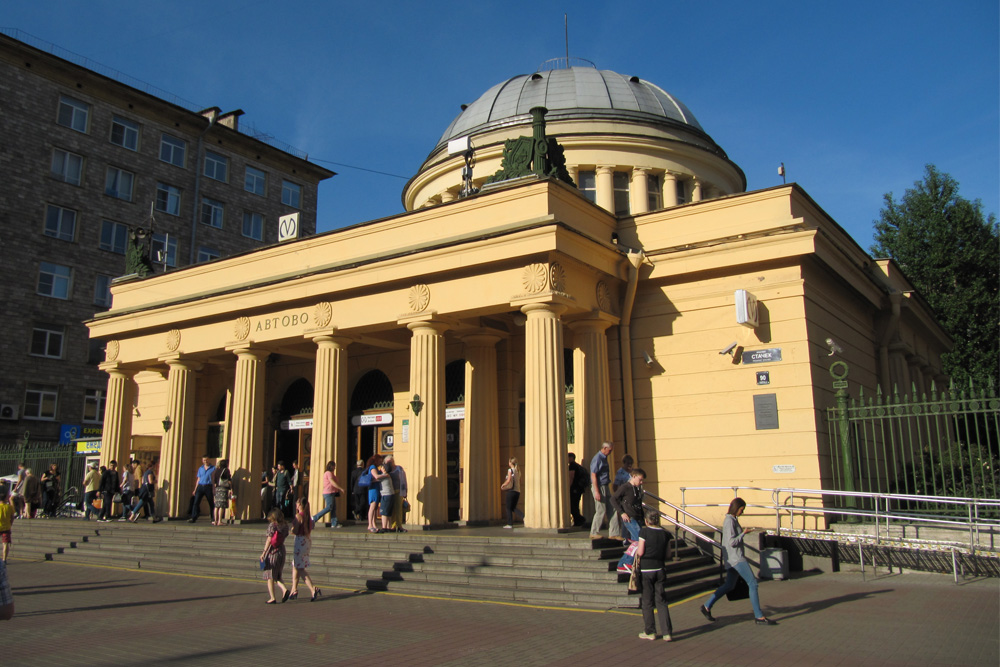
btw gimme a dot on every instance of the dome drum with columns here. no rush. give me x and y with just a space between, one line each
630 146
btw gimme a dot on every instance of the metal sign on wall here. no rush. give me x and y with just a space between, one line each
765 411
761 356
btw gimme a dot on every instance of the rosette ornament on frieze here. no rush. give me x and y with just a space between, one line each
541 277
241 328
419 298
323 314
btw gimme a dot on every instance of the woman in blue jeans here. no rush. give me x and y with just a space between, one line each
736 564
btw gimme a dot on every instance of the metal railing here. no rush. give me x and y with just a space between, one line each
678 512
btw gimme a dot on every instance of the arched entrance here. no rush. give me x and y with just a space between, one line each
297 400
371 416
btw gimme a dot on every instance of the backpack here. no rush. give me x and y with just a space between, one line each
581 478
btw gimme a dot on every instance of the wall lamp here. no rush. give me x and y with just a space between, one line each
167 423
416 404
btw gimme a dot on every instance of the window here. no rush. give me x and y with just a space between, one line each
168 199
54 280
621 185
40 401
253 225
291 194
206 254
67 166
172 150
102 291
164 250
118 183
212 212
682 196
73 113
255 181
93 405
588 185
114 236
47 341
60 223
216 166
125 133
655 187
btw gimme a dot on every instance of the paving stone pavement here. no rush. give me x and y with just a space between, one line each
80 615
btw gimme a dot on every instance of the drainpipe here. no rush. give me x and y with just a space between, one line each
212 115
635 259
891 327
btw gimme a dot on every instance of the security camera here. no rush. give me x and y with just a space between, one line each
729 348
648 359
834 348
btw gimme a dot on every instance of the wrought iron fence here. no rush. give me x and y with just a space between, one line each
39 455
945 444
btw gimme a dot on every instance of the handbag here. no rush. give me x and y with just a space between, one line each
635 578
117 498
741 591
508 483
264 564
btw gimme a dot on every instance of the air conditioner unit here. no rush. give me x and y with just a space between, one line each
8 411
747 312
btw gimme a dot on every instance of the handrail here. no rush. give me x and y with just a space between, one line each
685 527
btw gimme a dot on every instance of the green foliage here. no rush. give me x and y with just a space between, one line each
963 470
951 254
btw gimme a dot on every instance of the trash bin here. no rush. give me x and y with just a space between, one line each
774 564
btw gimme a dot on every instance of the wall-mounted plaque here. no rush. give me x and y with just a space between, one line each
762 356
765 411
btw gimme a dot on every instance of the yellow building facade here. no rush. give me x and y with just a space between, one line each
530 319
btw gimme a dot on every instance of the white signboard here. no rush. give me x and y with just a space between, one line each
288 227
452 414
405 431
380 419
784 469
296 424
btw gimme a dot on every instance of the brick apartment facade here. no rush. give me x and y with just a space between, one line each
83 158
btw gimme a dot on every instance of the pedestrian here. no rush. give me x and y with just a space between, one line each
6 520
622 476
359 494
736 564
149 480
302 527
223 480
627 501
282 489
92 488
202 489
652 554
373 490
50 490
17 493
273 556
600 480
128 489
512 488
579 480
32 493
110 487
400 506
386 493
143 498
331 489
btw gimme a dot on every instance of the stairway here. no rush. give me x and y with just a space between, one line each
567 570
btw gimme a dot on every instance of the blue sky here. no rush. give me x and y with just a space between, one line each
854 97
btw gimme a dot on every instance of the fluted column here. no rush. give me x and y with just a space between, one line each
669 189
606 187
696 190
591 392
640 190
481 455
246 431
546 496
117 433
329 434
428 474
177 462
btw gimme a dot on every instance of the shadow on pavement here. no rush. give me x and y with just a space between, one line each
126 605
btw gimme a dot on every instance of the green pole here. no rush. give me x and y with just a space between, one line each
839 371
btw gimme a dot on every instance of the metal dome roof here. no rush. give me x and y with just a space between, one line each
574 92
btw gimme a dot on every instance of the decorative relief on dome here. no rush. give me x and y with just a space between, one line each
112 350
603 296
323 314
173 340
420 298
241 328
557 277
535 277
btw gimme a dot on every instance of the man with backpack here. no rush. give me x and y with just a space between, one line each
579 480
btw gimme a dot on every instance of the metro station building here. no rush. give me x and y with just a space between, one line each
654 303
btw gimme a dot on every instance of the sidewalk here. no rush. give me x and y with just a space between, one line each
79 615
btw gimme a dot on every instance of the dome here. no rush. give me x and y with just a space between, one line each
574 92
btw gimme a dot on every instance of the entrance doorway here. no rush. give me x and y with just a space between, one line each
371 417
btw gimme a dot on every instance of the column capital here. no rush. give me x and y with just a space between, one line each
596 322
605 169
640 171
437 326
482 337
248 350
180 361
117 368
329 337
556 309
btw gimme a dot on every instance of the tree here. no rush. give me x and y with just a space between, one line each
951 254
